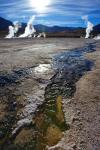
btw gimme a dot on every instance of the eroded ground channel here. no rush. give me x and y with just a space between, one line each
31 99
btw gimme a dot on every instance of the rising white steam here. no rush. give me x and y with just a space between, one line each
31 20
43 34
85 17
17 25
89 26
13 30
29 30
89 29
97 37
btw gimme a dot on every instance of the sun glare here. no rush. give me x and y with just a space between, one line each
40 5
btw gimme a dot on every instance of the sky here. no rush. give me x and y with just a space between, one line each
51 12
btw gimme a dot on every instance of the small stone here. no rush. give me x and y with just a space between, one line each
78 112
1 134
74 146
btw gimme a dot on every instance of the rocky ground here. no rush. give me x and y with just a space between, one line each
25 72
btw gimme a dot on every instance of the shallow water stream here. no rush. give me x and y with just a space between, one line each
48 124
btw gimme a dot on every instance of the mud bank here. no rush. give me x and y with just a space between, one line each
82 111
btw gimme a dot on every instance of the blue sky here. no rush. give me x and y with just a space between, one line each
54 12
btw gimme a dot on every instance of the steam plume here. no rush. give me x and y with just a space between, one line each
85 17
97 37
29 30
13 30
89 26
31 20
17 25
43 34
89 29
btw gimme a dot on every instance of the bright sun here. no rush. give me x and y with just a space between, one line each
40 5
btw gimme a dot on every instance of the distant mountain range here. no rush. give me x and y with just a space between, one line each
54 29
4 24
97 29
39 27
